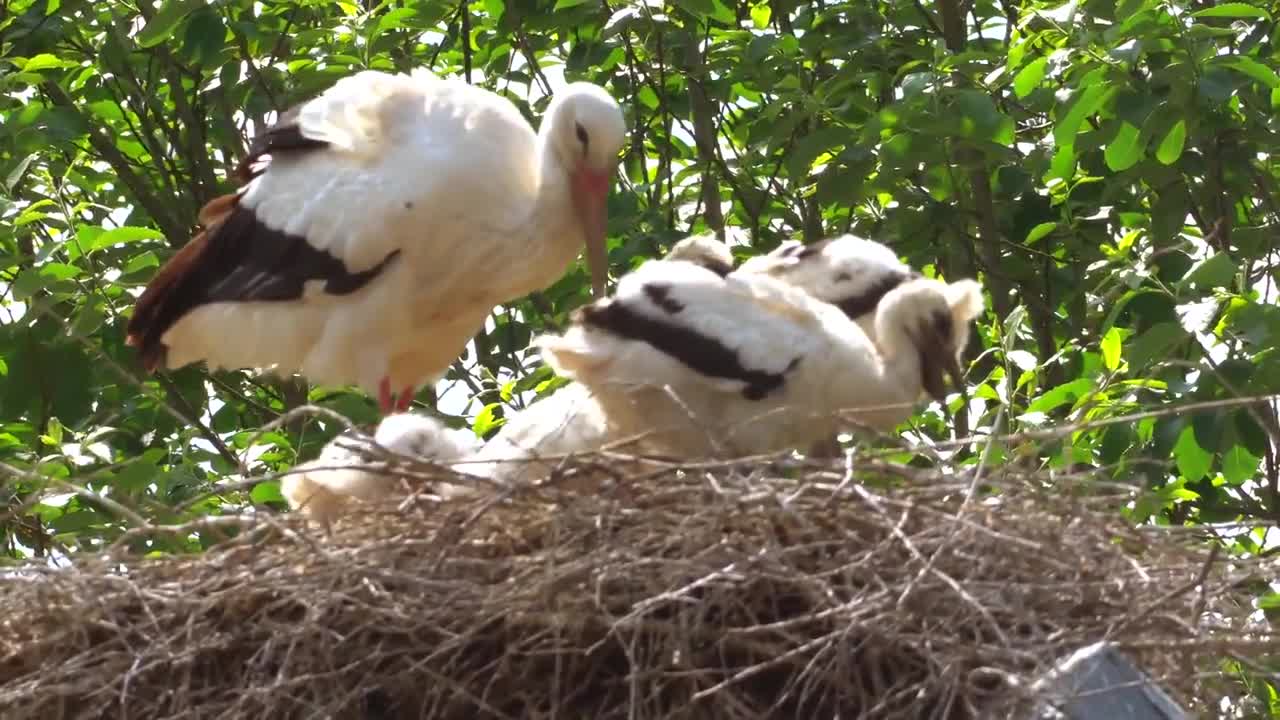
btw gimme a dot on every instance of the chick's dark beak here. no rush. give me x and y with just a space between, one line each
939 357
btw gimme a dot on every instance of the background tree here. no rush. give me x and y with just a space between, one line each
1104 166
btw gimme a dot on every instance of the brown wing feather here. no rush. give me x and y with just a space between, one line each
170 276
235 258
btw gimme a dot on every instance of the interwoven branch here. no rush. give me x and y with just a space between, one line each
757 589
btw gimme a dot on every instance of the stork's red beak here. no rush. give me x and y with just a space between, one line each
590 193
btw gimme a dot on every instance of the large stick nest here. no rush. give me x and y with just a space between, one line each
761 589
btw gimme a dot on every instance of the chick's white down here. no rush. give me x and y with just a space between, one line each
628 390
349 469
841 270
801 358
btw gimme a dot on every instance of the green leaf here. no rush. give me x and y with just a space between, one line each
827 139
1232 10
760 15
487 420
1063 165
135 476
164 22
1111 346
1029 77
75 521
123 236
53 432
1155 343
59 271
141 261
1192 461
1085 104
1125 150
46 61
1209 428
697 8
205 37
1061 395
648 97
87 321
1039 232
1216 271
15 175
1251 68
266 492
27 283
1216 85
1251 436
980 119
1239 465
1171 146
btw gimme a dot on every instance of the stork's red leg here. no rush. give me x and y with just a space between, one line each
404 400
385 405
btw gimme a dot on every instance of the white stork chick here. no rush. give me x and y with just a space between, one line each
535 440
850 272
378 226
746 364
706 250
323 487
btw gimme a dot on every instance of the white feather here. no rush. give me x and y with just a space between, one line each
323 487
449 175
699 249
535 440
828 362
844 267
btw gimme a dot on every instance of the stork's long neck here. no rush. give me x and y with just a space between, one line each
900 360
891 381
553 210
550 239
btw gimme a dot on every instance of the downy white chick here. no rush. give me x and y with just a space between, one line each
747 364
322 487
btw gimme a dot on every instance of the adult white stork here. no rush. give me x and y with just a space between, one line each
378 225
323 487
745 363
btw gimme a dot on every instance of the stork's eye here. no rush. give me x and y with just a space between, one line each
581 132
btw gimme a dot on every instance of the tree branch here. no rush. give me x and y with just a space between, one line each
175 231
704 135
954 34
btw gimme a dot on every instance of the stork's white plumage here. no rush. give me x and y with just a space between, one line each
746 363
850 272
705 250
535 440
322 487
379 224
